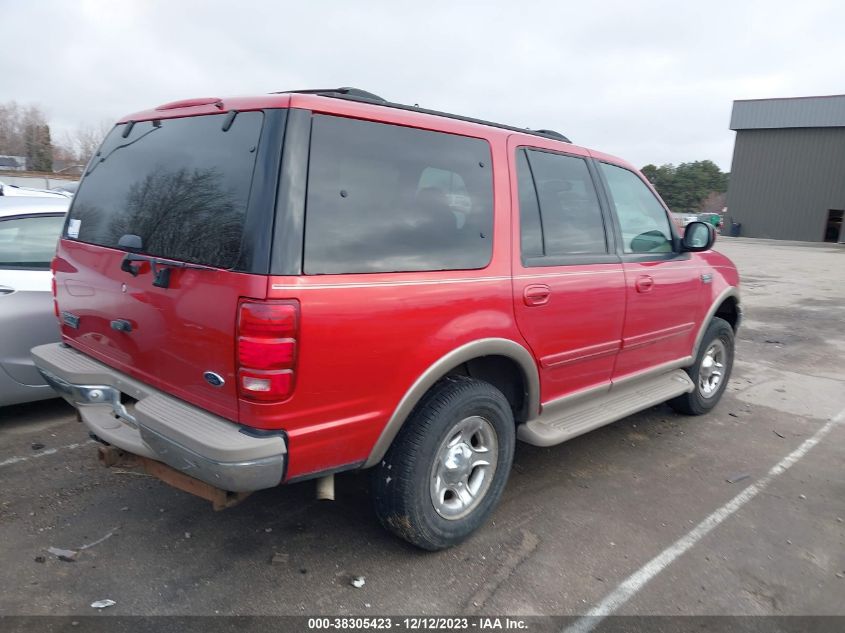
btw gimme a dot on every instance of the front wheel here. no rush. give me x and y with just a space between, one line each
448 466
711 370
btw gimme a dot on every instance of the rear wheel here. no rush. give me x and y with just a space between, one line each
711 370
448 466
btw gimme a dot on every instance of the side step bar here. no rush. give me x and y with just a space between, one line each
568 421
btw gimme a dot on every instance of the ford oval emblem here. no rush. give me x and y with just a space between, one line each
215 380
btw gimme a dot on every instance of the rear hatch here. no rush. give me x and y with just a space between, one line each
160 246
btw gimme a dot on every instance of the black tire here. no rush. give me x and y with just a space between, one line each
401 484
696 402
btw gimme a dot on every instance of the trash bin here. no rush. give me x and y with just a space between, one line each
736 227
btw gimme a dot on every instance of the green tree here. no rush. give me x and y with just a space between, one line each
685 187
38 146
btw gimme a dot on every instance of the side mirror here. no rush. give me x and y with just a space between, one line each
698 236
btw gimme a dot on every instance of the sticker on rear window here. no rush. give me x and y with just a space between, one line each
73 228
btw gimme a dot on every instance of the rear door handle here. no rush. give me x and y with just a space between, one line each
5 290
645 283
536 295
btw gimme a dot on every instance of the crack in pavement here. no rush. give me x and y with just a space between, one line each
512 561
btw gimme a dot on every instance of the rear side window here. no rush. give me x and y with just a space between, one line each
29 242
386 198
643 221
530 225
181 185
559 209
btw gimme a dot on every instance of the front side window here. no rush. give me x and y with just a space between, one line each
568 220
29 242
642 219
386 198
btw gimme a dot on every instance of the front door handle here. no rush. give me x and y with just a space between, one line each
536 295
5 290
645 283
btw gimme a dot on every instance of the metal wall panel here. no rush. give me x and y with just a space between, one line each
789 113
784 181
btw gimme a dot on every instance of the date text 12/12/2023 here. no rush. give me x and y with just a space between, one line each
484 623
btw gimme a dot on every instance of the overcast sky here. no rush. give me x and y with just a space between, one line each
652 82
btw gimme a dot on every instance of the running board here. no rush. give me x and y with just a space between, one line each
568 421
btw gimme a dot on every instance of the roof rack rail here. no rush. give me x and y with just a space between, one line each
551 134
355 94
343 92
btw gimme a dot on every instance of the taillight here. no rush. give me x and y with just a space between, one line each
265 385
267 342
260 353
53 263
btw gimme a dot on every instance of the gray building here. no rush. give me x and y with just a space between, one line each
788 172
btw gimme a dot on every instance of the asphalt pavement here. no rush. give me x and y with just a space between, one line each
737 512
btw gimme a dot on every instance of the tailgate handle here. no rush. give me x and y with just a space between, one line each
127 267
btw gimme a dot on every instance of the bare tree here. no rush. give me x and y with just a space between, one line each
24 131
81 143
11 138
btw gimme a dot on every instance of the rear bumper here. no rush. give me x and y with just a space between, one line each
160 427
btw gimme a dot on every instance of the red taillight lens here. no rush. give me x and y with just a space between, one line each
261 353
53 287
276 320
267 347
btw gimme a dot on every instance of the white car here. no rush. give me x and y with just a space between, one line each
67 188
29 230
14 191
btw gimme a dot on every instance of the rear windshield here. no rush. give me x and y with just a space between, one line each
181 185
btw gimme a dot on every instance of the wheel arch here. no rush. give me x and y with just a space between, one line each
730 311
726 306
466 356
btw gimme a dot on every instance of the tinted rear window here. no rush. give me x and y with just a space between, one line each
384 198
181 185
569 207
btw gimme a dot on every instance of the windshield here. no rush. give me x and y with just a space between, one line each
180 185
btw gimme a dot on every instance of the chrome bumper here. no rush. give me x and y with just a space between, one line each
161 427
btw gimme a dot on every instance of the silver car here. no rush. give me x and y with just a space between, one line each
29 230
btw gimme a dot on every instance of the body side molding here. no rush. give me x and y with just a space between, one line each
482 347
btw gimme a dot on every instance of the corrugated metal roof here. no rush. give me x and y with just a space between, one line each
754 114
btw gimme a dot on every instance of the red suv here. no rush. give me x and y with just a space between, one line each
264 290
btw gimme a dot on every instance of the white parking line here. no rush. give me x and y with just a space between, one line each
636 581
44 453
